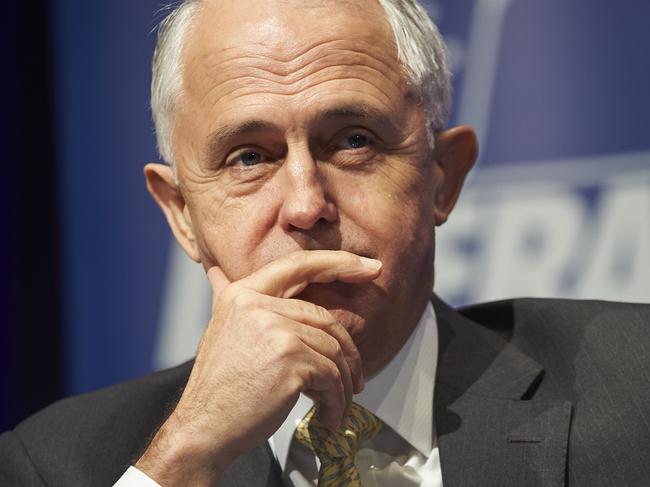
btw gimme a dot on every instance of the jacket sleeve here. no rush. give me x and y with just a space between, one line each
16 467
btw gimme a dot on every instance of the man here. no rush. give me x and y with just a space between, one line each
308 167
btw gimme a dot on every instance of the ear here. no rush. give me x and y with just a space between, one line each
455 153
161 183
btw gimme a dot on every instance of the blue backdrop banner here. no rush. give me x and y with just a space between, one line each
559 204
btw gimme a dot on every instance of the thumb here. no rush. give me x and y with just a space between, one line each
218 280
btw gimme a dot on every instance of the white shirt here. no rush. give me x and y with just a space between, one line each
403 453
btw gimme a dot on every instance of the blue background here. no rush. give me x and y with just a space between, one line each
571 81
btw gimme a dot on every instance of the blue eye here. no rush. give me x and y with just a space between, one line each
246 158
356 141
250 158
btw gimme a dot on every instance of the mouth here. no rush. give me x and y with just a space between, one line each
322 244
330 293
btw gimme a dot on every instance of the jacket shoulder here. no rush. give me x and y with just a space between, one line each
95 437
558 331
512 315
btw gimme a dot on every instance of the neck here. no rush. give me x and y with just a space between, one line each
378 353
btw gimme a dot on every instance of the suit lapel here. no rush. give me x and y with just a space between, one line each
490 428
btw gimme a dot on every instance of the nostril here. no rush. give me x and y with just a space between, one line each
304 214
320 223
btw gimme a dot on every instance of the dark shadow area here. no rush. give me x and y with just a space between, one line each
499 316
30 324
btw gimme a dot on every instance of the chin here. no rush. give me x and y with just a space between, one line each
355 324
353 305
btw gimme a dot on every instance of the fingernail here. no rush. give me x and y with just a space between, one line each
372 264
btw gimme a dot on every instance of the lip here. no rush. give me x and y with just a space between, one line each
360 252
336 289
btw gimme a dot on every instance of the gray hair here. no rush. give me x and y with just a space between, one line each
420 50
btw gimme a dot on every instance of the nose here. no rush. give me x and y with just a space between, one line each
305 199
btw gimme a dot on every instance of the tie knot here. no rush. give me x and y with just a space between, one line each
343 443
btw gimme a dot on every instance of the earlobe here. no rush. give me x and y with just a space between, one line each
455 154
162 186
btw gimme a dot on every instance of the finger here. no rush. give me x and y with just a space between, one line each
322 383
316 316
218 281
329 347
289 275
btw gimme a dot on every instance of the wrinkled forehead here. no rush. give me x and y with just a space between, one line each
285 23
285 32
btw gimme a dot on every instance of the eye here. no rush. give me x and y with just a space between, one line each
246 158
355 141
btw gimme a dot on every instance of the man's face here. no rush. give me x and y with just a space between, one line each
296 130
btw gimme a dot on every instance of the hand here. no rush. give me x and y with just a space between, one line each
260 350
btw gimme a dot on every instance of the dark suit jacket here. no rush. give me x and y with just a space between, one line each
528 393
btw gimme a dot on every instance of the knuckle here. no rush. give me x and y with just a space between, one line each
335 374
334 325
265 322
243 299
229 293
324 315
287 345
297 257
336 330
296 383
337 349
291 264
305 377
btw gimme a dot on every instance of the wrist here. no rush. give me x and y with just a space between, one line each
183 455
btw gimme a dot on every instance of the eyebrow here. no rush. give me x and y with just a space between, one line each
229 132
361 111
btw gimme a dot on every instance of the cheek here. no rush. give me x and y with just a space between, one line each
393 210
231 232
393 204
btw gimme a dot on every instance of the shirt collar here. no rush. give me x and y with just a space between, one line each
400 394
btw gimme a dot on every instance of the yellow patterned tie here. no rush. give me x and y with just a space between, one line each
336 449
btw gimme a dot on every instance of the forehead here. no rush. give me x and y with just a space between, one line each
285 28
284 45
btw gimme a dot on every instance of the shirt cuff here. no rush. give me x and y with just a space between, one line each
135 478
